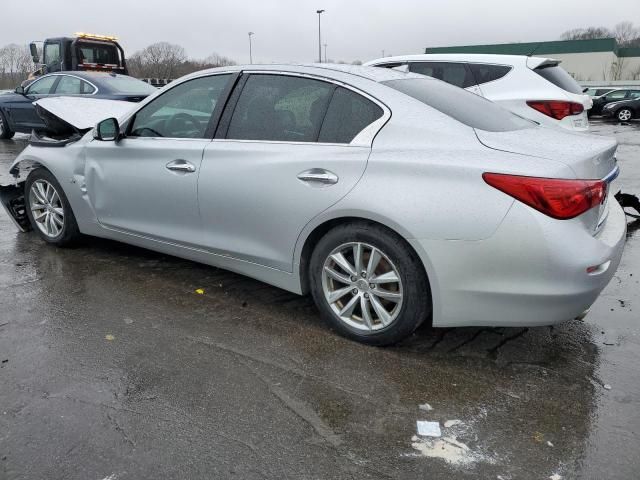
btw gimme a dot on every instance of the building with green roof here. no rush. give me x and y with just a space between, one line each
600 59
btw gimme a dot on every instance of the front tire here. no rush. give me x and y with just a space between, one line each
624 114
369 284
5 131
48 209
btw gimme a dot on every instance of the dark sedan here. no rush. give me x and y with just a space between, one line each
624 110
613 96
17 113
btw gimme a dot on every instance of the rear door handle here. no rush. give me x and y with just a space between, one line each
318 176
181 166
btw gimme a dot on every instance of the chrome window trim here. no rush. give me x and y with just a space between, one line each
95 88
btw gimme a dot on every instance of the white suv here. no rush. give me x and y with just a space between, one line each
533 87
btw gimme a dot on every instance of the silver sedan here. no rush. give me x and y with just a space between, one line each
392 198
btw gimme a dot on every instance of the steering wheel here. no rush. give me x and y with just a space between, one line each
179 122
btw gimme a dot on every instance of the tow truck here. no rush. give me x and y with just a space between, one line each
82 52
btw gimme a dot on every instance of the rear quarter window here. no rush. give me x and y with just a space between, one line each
484 73
559 77
466 107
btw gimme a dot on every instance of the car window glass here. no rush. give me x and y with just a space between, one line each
51 53
557 76
454 73
464 106
348 114
484 73
634 94
280 108
617 95
86 88
183 111
69 85
127 85
42 86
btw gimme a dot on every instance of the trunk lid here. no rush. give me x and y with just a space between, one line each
588 156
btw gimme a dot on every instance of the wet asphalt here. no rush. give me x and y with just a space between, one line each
112 367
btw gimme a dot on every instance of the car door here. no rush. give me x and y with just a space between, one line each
287 148
146 183
21 110
455 73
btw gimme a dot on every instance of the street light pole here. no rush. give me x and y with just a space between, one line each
325 53
319 12
250 53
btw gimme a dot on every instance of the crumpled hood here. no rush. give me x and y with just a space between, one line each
81 113
589 156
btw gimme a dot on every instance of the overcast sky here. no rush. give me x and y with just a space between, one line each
287 30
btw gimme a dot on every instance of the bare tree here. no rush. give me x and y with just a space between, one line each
216 60
15 65
159 60
586 33
625 33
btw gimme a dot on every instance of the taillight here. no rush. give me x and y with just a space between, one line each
555 108
555 197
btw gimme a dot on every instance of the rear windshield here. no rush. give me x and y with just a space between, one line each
466 107
128 85
560 78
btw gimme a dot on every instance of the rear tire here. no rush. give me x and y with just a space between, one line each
5 132
369 284
624 114
48 209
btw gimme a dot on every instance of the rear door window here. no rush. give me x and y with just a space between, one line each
457 74
69 86
559 77
281 108
485 73
617 95
349 113
464 106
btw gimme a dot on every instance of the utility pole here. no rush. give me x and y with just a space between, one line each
383 53
325 53
250 53
319 12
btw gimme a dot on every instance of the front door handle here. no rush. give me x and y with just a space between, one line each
318 176
181 166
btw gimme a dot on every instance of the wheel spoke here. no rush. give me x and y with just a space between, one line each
357 257
337 276
383 315
347 310
374 259
343 263
35 207
47 193
55 198
393 296
366 315
338 294
57 219
38 192
58 211
389 277
41 216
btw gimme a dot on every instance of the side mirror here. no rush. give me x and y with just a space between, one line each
20 90
34 52
107 130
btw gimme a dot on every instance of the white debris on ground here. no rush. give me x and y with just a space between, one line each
555 476
447 445
425 407
428 429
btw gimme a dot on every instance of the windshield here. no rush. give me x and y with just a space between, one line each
466 107
128 85
559 77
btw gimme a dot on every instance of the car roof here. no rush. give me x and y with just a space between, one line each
522 60
86 75
329 70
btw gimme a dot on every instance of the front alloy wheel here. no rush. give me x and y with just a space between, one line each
624 115
362 286
46 208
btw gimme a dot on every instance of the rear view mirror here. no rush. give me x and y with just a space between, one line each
34 52
107 130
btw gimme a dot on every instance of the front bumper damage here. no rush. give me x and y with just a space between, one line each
13 201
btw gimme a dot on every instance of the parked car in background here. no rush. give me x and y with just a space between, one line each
613 96
624 110
18 114
533 87
597 91
391 197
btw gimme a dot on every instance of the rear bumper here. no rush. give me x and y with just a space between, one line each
533 271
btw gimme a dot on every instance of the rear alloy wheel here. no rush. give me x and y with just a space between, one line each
624 114
369 284
48 209
5 132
